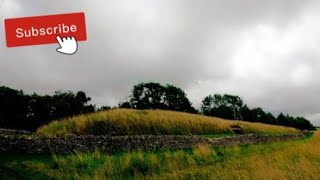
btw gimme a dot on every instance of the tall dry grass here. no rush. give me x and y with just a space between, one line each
137 122
286 160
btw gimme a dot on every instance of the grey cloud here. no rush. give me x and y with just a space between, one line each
191 44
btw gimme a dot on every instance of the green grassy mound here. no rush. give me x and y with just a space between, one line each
156 122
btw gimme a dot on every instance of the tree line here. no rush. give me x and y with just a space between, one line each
156 96
232 107
23 111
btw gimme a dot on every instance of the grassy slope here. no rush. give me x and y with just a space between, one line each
288 160
137 122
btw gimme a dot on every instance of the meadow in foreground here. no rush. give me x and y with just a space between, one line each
282 160
138 122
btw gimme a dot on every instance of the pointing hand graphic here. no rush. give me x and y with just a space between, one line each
68 45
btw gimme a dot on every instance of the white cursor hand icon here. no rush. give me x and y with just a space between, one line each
68 45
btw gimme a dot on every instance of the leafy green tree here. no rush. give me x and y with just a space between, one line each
69 104
232 107
13 108
270 119
104 108
224 106
155 96
21 111
176 99
303 123
258 114
208 105
125 104
41 110
148 96
283 120
246 113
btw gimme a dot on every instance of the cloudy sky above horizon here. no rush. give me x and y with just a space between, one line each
267 52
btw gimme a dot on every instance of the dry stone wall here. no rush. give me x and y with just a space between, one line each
89 143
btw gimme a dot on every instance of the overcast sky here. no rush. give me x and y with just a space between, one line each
267 52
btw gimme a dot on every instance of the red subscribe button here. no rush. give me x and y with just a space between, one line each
44 29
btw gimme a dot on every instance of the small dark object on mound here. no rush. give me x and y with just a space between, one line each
237 129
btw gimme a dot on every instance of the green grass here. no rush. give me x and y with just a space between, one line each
12 165
281 160
138 122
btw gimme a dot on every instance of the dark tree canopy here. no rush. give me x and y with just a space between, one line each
156 96
104 108
224 106
22 111
28 112
148 96
13 107
176 99
232 107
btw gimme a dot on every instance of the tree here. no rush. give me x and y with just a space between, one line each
270 119
13 108
125 105
258 115
21 111
224 106
41 110
246 114
282 119
148 96
67 104
208 106
155 96
104 108
232 107
176 99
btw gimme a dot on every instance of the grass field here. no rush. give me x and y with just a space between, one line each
282 160
137 122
